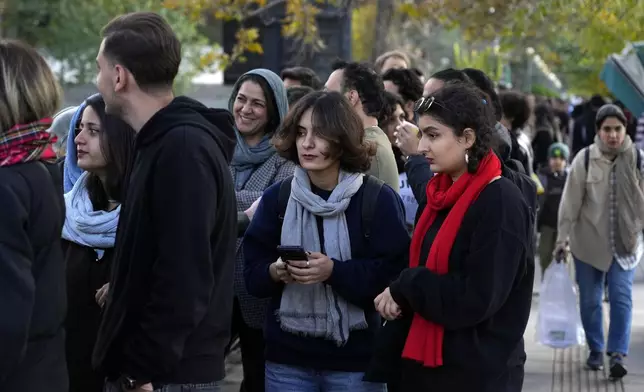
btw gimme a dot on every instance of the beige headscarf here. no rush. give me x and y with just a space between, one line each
629 196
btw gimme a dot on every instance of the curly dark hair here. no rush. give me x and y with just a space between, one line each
485 84
516 107
459 106
391 100
410 88
304 75
366 81
334 120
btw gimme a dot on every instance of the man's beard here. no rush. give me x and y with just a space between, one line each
113 108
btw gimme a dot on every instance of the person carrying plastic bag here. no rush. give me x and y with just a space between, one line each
559 324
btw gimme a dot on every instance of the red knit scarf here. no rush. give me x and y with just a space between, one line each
27 142
425 339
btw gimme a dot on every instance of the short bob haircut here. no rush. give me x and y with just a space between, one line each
29 90
334 120
459 106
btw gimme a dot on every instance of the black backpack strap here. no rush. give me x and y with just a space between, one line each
639 159
283 196
586 158
370 193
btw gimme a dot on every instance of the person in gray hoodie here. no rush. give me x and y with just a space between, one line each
259 104
60 127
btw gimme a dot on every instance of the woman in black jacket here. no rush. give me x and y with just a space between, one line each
103 145
465 300
546 133
32 272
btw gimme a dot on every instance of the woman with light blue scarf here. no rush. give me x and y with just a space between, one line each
259 104
321 326
97 158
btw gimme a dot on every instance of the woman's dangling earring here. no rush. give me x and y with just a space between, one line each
467 158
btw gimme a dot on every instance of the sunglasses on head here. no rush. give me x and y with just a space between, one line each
424 103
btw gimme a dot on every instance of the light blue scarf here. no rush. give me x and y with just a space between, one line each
315 310
83 225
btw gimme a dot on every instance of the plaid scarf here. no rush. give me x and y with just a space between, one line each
27 142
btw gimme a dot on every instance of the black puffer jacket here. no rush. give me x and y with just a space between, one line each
32 279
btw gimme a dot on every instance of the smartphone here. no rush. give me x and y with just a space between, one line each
293 253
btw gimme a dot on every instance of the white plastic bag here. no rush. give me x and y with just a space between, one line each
559 324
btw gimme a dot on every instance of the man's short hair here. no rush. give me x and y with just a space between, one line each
366 81
451 75
145 44
306 76
296 93
382 59
410 88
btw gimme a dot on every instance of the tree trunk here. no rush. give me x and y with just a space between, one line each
384 16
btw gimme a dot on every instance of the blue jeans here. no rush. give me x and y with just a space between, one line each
285 378
207 387
620 297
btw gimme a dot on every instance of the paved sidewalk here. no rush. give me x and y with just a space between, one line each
549 370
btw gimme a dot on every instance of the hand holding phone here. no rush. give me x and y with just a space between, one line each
316 269
292 253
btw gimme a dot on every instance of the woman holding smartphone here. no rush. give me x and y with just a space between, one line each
321 326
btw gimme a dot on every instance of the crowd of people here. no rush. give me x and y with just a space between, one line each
374 232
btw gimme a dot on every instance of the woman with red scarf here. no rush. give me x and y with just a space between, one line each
465 298
32 211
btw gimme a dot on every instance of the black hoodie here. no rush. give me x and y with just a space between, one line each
167 317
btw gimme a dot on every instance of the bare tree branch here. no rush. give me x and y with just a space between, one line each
261 10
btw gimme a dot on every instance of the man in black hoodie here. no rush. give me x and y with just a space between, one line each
167 317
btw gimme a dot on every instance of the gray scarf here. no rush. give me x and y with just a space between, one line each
316 310
246 158
628 194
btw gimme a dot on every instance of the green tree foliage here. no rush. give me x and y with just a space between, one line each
363 34
486 59
69 31
574 37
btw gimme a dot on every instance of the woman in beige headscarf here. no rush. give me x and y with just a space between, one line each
602 213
